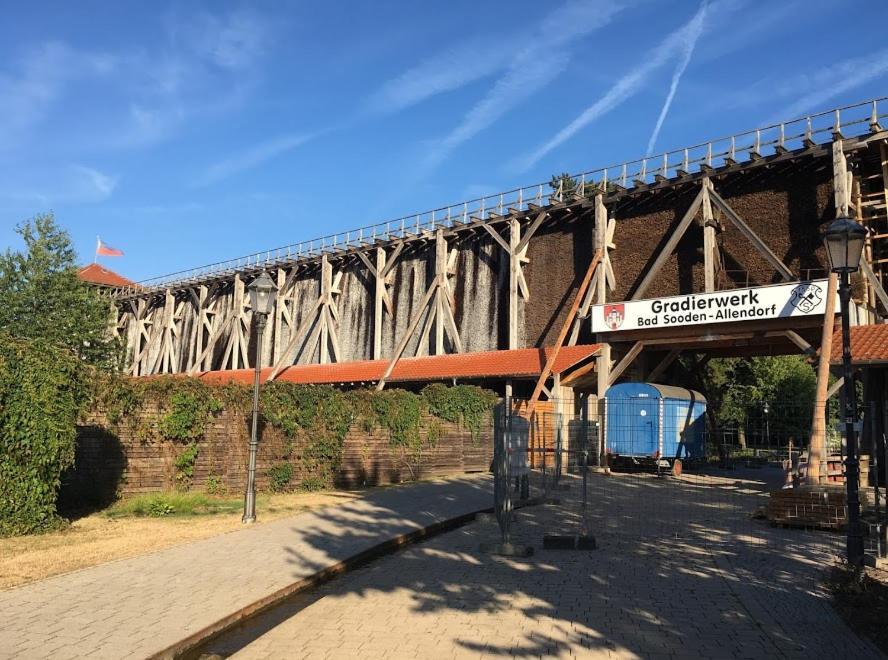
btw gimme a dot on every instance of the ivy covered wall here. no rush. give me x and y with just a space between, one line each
172 432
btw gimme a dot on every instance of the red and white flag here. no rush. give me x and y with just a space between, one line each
106 250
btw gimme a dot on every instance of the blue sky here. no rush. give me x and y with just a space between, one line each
188 133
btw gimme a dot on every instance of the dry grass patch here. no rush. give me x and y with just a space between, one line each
129 528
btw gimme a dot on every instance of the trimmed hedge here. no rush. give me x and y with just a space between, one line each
43 390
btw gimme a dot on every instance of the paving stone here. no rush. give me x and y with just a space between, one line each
144 604
647 592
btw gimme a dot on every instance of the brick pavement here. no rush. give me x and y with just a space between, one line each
140 606
682 571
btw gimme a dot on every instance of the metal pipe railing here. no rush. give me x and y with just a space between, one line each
848 121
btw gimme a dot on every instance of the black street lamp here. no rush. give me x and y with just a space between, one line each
767 410
261 292
844 241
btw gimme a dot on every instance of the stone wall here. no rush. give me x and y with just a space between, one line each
118 460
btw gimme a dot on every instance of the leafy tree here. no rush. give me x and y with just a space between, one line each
41 297
570 186
43 389
738 388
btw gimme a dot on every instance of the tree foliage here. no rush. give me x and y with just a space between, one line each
41 297
43 389
737 390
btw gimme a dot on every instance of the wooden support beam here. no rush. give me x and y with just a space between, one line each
514 270
280 305
531 230
379 297
624 364
841 189
496 237
817 443
751 236
799 341
835 387
603 278
878 289
576 374
399 350
441 273
669 248
664 364
710 246
562 334
307 322
211 344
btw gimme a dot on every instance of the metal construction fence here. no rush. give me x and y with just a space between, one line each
744 482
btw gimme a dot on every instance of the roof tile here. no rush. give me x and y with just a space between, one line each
520 363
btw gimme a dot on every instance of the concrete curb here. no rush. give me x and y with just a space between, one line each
190 646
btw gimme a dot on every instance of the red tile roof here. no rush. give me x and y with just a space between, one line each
520 363
869 344
97 274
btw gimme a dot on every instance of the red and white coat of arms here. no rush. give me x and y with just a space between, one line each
614 315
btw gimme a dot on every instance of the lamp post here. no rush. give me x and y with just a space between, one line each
844 241
261 302
767 410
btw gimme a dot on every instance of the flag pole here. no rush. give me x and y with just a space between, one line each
96 254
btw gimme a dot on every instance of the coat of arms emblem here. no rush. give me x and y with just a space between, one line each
613 315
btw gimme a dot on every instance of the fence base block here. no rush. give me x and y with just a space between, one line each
507 550
875 562
569 542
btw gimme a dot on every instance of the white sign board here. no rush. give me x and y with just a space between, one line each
752 304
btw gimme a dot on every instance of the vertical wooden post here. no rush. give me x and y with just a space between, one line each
201 325
603 360
817 444
514 271
326 286
840 179
709 245
600 245
279 306
237 309
379 293
440 275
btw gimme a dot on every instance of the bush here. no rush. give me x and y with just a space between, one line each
42 392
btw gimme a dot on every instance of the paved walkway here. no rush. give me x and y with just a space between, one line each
717 585
140 606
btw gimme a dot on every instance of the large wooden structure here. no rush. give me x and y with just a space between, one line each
504 271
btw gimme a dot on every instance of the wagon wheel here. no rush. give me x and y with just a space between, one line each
677 467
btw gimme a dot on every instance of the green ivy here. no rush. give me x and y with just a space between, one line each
43 389
461 404
400 412
186 405
280 475
314 417
185 465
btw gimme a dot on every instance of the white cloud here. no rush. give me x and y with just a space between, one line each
811 91
451 69
90 183
232 41
251 158
71 184
687 50
530 69
626 87
42 75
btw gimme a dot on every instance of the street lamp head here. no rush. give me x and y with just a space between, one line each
766 409
844 239
261 298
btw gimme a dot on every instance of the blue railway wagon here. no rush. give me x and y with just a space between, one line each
649 422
